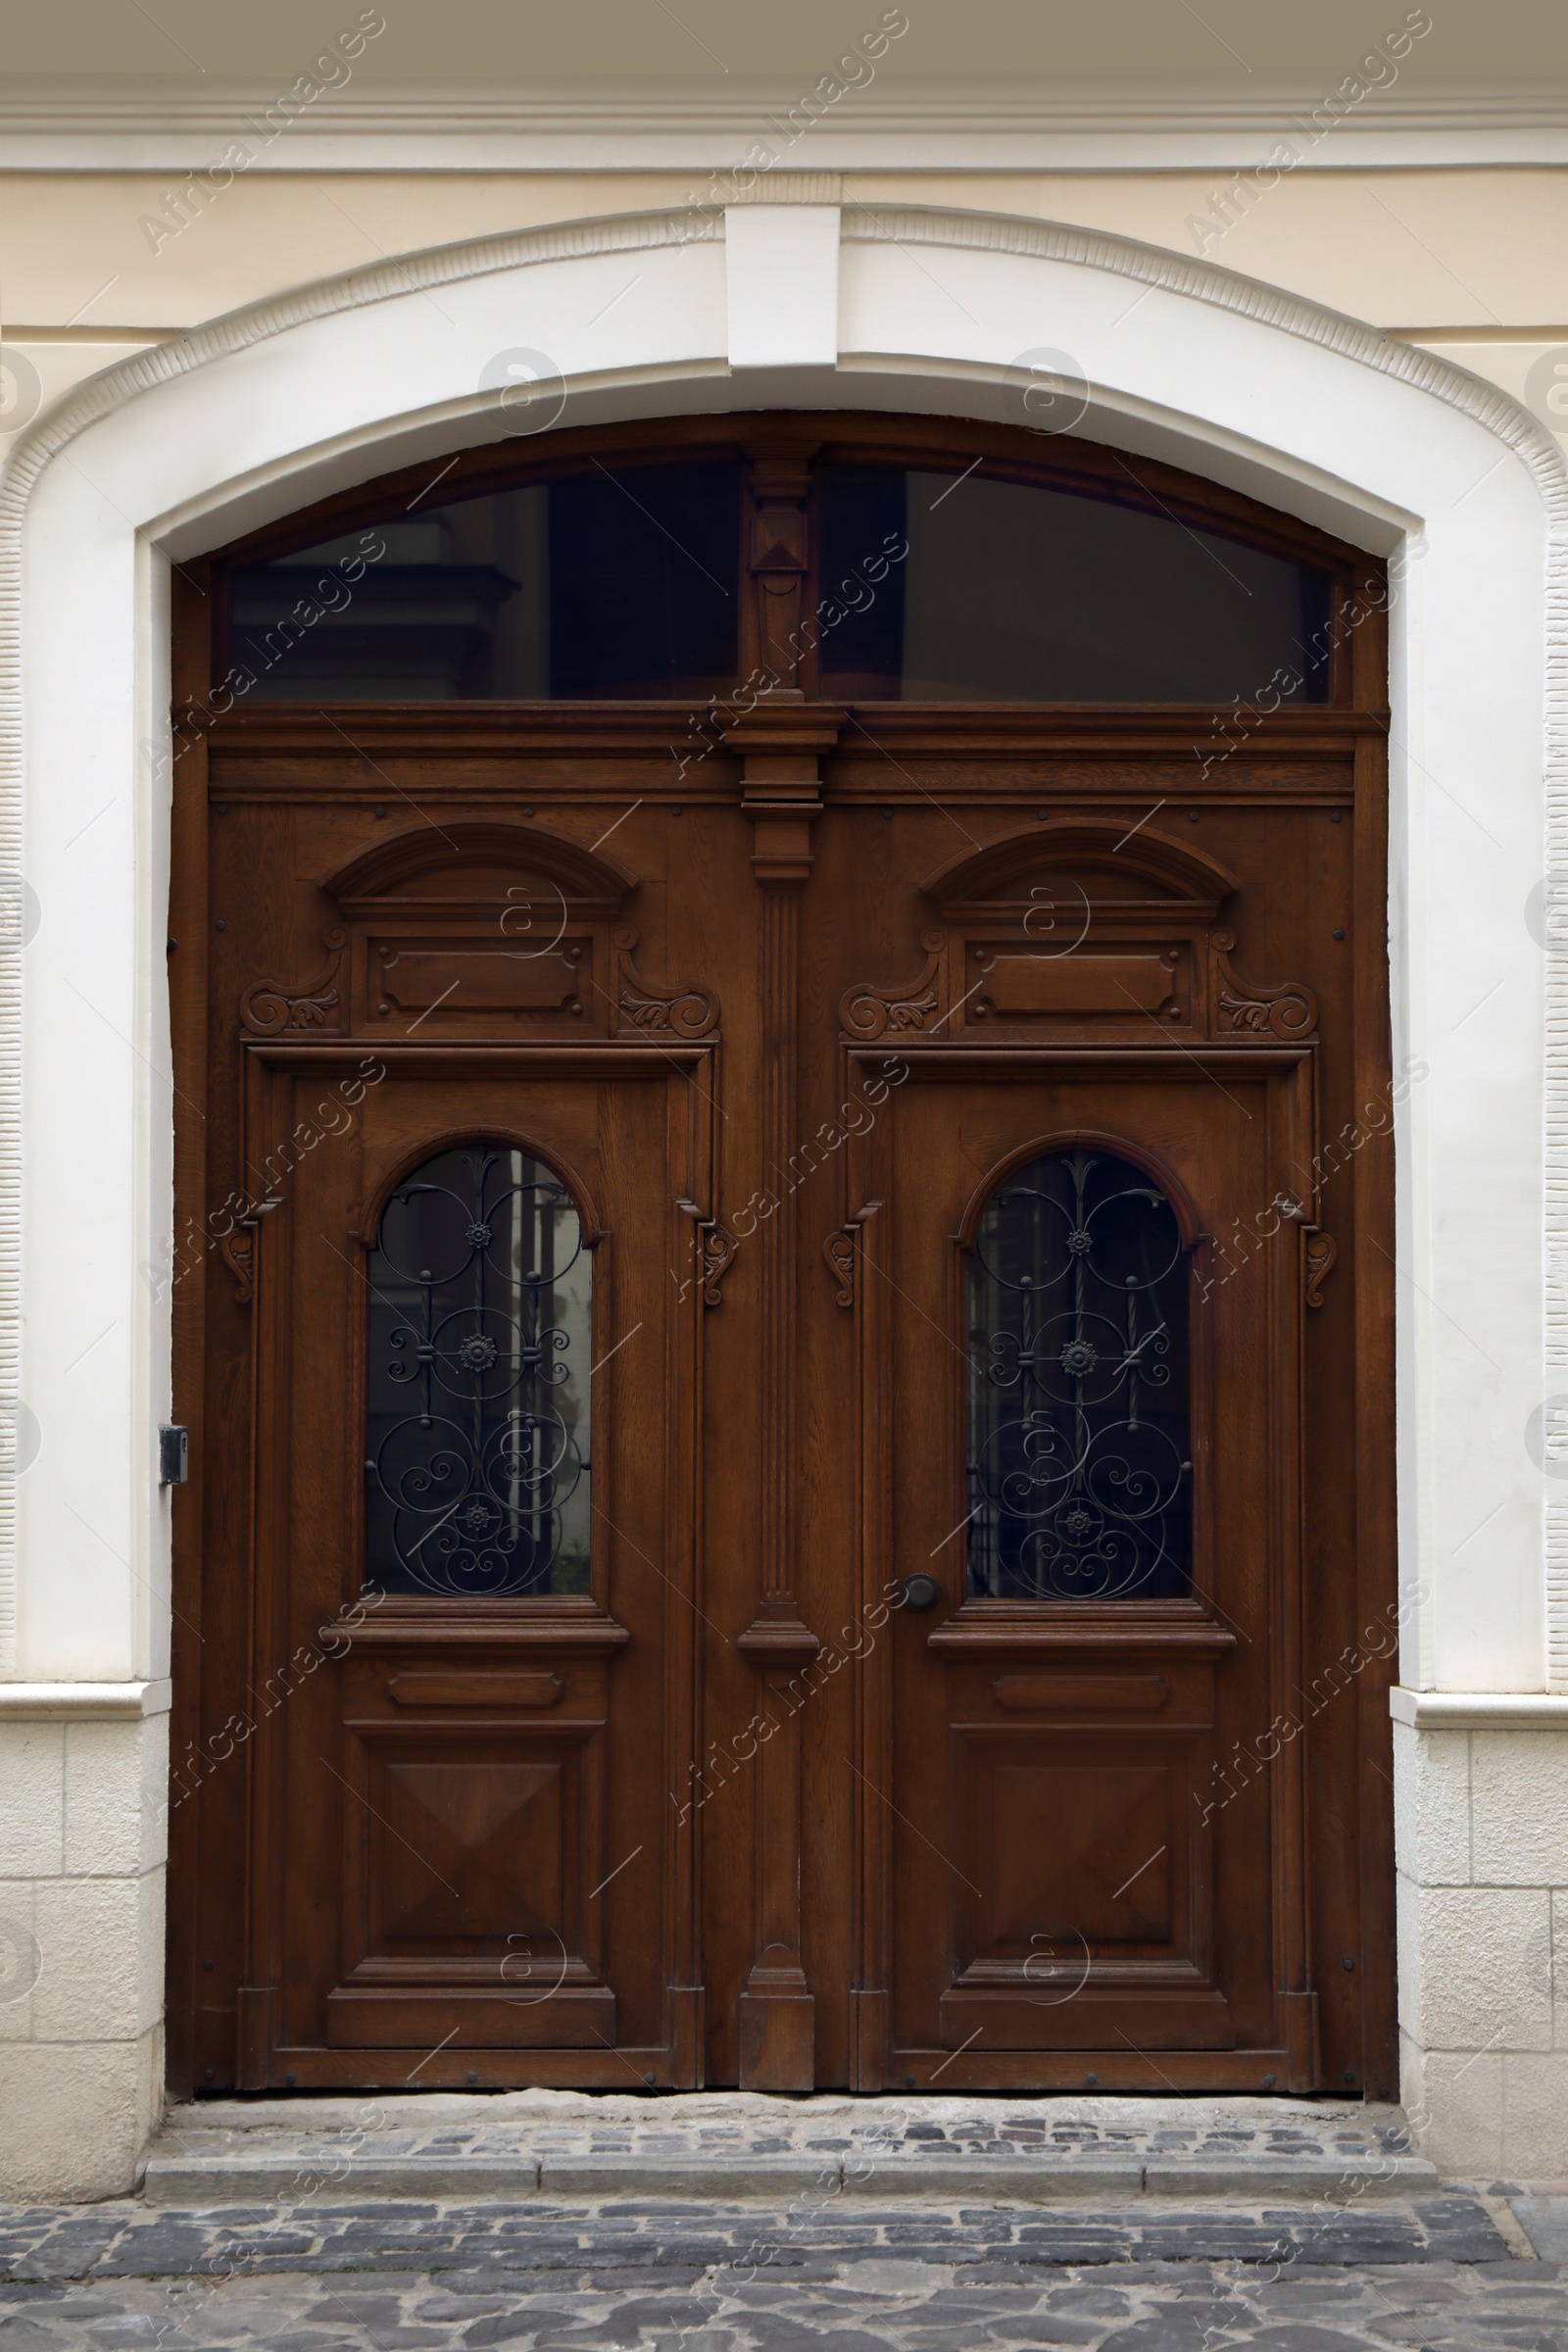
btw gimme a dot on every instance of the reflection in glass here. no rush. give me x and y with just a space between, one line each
1012 592
618 582
477 1469
1079 1440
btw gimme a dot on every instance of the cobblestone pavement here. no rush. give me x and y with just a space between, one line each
881 2300
1429 2272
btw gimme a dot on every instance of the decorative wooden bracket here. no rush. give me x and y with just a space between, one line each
714 1248
839 1252
1318 1254
868 1011
718 1246
270 1007
238 1249
1286 1011
686 1011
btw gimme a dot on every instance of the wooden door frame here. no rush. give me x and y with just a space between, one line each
779 451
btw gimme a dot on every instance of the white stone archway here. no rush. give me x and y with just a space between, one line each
795 304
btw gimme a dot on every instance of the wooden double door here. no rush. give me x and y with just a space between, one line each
790 1419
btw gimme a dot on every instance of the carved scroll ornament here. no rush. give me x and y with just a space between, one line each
269 1008
686 1011
1288 1011
868 1011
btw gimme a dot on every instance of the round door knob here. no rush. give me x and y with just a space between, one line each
921 1592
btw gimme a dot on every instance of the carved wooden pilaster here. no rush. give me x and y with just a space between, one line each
781 744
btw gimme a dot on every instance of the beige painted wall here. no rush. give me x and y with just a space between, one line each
1473 262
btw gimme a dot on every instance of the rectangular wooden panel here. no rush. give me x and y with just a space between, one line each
468 981
1058 1833
433 1686
1083 1693
1085 983
555 2017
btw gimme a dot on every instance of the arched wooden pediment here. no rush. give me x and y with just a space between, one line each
1109 863
481 928
469 867
1083 930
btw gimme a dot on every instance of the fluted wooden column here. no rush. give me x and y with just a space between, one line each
782 742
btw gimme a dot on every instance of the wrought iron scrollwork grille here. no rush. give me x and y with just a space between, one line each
1080 1442
477 1470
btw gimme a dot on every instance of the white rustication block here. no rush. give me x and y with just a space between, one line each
1519 1800
32 1763
1485 1965
1432 1805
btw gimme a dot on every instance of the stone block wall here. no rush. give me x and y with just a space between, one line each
1481 1807
84 1798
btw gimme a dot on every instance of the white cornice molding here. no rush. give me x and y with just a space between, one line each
135 125
82 1702
1479 1710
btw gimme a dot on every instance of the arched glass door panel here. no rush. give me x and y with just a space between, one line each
477 1468
1079 1401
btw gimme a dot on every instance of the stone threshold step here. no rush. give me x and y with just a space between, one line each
556 2145
317 2179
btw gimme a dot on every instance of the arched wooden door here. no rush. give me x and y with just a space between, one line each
783 1276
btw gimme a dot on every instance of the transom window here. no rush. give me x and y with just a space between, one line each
620 578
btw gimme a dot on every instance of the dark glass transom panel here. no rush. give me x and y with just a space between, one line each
621 582
477 1460
1079 1436
1012 592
